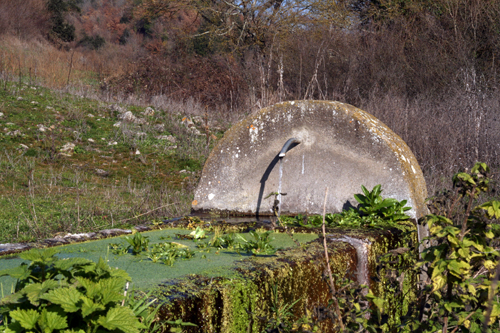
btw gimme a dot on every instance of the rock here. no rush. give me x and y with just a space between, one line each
20 98
129 117
160 128
187 122
114 232
195 131
169 138
149 111
41 128
117 108
49 108
90 140
137 152
341 147
9 247
112 143
1 114
14 133
90 115
141 135
34 102
118 124
198 120
23 146
101 172
68 148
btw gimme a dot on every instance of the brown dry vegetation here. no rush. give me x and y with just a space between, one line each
426 69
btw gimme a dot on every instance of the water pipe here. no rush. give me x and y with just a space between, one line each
287 145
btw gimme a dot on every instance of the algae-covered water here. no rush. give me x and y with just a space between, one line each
145 274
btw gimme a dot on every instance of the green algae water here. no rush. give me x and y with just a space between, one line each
209 262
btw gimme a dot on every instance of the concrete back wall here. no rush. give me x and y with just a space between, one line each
341 147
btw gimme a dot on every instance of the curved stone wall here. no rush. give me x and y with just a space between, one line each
341 147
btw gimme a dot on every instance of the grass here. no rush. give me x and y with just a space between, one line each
113 174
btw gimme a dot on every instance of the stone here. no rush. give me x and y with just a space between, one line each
101 172
149 111
68 148
14 133
341 147
169 138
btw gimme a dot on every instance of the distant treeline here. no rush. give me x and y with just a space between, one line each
428 68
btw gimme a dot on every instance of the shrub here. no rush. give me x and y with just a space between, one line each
55 295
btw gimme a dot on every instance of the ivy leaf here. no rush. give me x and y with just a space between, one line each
492 208
50 321
26 318
488 264
121 318
438 282
68 298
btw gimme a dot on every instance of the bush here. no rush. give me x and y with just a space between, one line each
56 295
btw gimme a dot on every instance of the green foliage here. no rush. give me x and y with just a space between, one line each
374 212
55 295
137 243
260 244
92 42
282 314
60 27
459 269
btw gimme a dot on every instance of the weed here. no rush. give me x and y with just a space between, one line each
137 243
260 244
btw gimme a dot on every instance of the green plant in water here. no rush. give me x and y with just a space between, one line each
372 203
260 244
374 212
70 295
137 243
225 241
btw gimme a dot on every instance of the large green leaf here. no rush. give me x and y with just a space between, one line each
50 321
92 288
120 318
111 290
35 290
66 264
20 272
89 307
40 255
26 318
68 298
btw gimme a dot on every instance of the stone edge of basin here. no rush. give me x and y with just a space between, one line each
12 248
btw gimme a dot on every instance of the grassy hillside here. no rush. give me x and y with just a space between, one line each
73 164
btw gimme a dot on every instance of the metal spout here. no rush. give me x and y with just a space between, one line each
286 146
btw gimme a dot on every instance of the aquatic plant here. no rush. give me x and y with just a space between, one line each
373 212
138 243
260 244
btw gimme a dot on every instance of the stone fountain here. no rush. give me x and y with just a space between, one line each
299 148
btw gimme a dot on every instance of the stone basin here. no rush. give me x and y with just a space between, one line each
227 291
